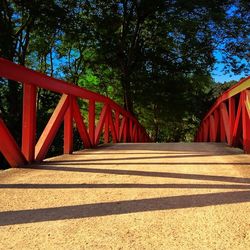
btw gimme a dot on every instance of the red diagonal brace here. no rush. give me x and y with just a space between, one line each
101 123
51 129
9 147
112 128
80 125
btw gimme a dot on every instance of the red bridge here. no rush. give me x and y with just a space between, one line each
129 195
229 118
124 127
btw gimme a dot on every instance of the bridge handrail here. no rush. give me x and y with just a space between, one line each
124 127
25 75
232 91
228 120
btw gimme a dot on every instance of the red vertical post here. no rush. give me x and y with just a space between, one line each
130 130
222 130
225 120
134 133
212 134
29 121
231 118
92 122
68 128
112 128
125 130
246 121
216 124
106 126
117 124
137 133
121 129
238 126
203 132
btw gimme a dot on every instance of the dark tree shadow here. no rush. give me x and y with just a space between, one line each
144 173
121 185
122 207
134 158
82 163
162 148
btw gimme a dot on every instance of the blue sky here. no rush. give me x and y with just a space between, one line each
219 76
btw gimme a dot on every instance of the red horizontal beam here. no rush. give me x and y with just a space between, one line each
67 110
22 74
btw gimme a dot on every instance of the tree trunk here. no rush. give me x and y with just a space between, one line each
156 132
127 95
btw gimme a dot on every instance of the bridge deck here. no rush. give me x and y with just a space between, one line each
130 196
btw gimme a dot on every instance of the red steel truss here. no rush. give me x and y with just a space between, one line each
115 122
229 118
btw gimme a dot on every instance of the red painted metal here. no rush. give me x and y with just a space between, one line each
51 128
229 118
246 121
80 125
9 148
100 125
237 126
231 103
106 126
117 125
130 130
125 130
113 119
29 121
112 128
121 131
68 128
92 122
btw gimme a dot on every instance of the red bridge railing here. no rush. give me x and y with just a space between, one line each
229 118
122 125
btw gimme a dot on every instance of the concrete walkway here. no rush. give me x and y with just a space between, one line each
130 196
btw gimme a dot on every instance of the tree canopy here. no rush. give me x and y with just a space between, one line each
153 57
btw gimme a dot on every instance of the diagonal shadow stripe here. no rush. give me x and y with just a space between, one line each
122 207
81 163
121 185
135 158
144 173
